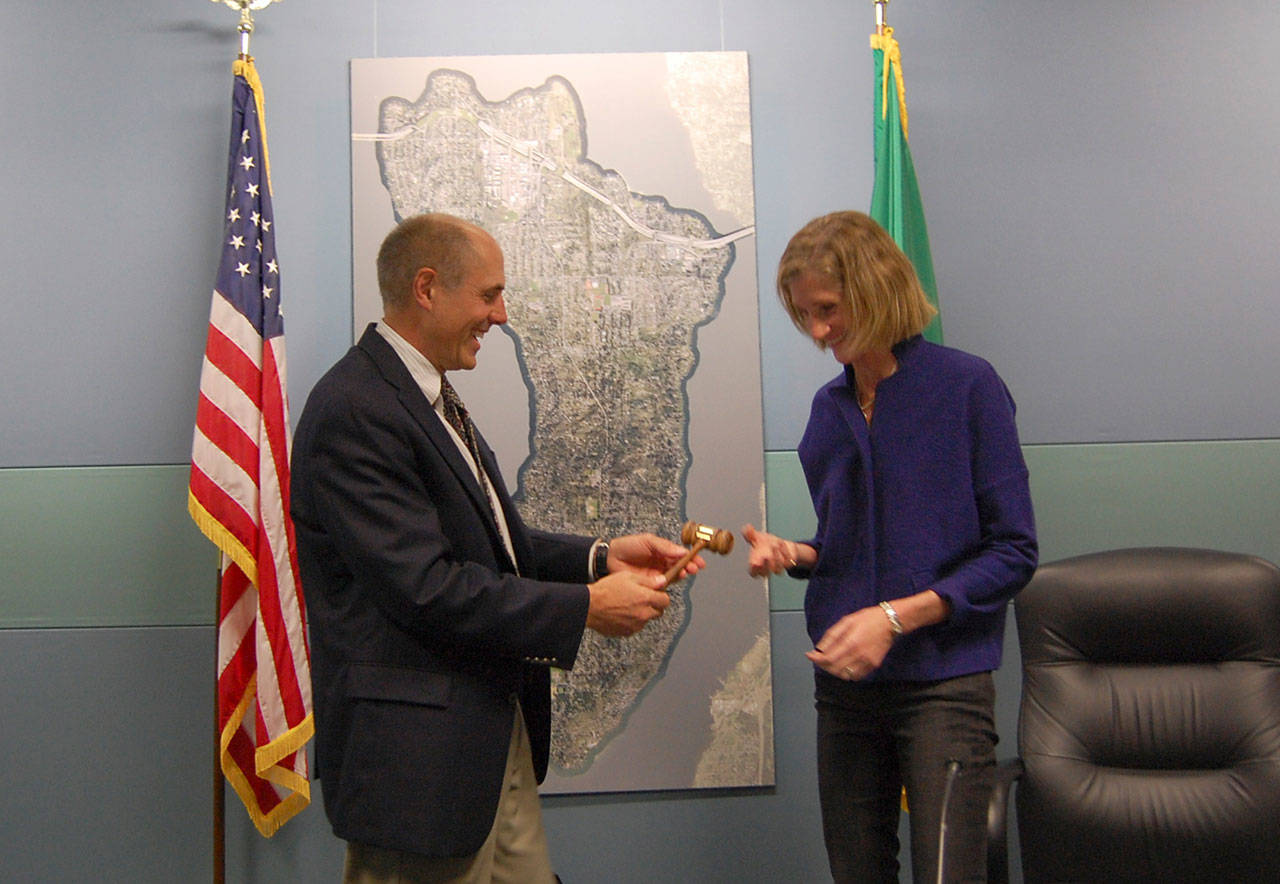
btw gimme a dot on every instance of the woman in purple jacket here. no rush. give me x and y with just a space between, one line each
925 532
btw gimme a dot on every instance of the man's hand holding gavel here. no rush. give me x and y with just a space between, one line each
623 602
641 566
632 593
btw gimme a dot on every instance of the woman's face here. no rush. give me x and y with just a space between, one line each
824 312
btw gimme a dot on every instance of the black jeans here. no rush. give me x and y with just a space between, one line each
875 738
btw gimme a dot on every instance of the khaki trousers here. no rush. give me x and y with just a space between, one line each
514 853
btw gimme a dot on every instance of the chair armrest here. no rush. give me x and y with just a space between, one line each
1007 773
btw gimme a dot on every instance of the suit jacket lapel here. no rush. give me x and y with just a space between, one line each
411 396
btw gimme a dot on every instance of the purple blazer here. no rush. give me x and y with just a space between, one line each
933 494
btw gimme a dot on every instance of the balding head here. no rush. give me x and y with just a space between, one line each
446 244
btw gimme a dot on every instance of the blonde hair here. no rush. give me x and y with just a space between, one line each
865 265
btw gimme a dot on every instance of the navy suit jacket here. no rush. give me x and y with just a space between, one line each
424 632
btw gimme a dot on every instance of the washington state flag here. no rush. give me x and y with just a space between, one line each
895 198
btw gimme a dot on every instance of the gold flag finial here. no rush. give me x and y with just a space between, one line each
246 8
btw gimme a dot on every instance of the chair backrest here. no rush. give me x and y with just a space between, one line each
1150 719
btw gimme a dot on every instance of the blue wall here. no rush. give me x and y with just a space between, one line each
1101 191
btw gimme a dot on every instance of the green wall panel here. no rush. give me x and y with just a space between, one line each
1218 495
102 546
113 546
790 514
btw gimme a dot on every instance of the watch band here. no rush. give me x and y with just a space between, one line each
599 558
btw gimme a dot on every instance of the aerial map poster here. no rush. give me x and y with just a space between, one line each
624 392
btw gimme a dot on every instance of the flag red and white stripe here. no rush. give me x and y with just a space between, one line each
239 494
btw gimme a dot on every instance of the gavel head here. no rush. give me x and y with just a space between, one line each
714 539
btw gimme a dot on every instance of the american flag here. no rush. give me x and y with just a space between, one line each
239 494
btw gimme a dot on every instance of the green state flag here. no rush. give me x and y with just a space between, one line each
895 198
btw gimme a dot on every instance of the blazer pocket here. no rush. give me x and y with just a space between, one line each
398 684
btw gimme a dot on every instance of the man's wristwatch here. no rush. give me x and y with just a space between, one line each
599 558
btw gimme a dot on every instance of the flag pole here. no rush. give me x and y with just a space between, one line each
880 5
219 790
246 8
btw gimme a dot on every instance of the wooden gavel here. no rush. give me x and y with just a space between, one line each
699 537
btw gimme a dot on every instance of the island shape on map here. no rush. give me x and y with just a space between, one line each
607 289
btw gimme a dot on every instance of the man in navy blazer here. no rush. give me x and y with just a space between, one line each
435 613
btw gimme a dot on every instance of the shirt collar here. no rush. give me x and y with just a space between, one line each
424 374
904 351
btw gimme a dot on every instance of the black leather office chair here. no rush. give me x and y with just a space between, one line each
1149 731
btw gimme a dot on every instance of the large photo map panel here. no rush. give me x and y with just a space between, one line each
625 393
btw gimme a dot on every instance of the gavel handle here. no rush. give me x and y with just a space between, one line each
675 572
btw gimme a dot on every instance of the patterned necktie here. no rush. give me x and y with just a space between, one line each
456 413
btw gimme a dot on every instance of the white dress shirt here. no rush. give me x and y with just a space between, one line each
428 378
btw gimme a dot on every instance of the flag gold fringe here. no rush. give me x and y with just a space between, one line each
892 61
267 824
244 67
223 539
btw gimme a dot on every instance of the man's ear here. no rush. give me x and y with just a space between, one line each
424 284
